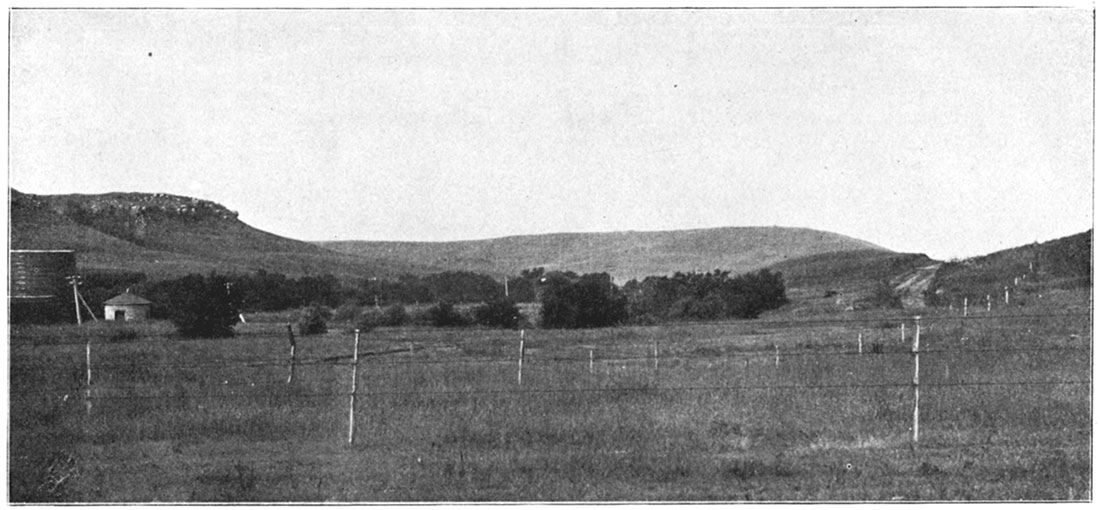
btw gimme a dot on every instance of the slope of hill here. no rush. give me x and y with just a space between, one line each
1064 263
167 235
833 282
625 255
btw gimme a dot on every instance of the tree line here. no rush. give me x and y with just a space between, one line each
210 305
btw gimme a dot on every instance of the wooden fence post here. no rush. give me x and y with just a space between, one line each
656 363
293 353
519 371
88 376
916 383
354 384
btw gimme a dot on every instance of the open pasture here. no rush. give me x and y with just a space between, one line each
774 409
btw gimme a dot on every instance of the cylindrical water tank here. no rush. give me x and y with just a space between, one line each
41 274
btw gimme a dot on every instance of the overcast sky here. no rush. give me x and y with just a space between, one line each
948 132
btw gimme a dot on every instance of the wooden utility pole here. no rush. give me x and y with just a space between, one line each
354 384
74 280
916 383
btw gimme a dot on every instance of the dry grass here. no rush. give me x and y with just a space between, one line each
716 420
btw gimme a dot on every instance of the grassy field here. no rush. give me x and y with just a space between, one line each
440 416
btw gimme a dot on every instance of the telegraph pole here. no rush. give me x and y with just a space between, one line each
74 280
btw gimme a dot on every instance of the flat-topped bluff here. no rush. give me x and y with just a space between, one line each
138 204
625 255
169 235
166 236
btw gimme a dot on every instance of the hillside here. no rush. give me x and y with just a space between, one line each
833 282
625 255
166 236
1033 269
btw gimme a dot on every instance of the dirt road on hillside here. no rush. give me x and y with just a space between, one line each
912 287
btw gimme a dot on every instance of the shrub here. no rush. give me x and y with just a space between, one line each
314 319
500 313
444 315
395 315
367 320
345 313
588 301
203 307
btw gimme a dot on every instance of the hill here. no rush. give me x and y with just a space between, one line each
625 255
1034 269
833 282
167 235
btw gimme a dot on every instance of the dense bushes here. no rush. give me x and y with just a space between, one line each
203 307
444 315
210 306
705 296
588 301
501 313
314 320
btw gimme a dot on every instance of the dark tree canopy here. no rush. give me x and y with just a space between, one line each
203 307
588 301
706 296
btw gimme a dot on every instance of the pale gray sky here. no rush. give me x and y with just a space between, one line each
949 132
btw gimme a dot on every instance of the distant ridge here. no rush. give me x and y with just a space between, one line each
625 255
167 236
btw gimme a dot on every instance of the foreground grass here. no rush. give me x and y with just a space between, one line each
441 416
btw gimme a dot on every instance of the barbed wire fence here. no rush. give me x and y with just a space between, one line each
102 379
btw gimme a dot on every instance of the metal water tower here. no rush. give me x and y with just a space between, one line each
38 286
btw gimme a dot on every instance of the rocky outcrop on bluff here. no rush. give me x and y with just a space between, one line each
142 204
129 216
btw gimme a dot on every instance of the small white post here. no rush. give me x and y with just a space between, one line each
1016 281
354 384
519 372
293 353
777 355
916 383
1006 295
656 360
988 302
591 358
903 332
861 343
505 285
966 304
88 376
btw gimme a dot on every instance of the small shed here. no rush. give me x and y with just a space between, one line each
126 307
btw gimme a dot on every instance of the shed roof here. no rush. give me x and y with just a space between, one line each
126 298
